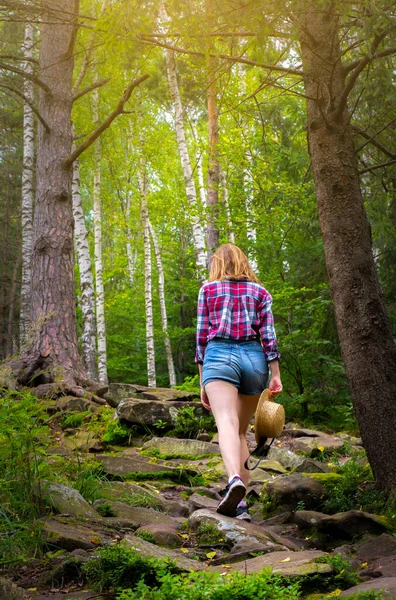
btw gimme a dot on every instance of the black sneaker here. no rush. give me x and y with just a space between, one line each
242 513
234 493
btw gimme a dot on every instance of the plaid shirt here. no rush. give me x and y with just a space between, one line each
234 310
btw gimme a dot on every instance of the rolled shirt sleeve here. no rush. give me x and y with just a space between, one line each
267 329
202 326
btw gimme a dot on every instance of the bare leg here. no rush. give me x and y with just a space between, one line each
223 398
246 407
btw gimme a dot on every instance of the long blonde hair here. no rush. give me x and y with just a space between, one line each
229 262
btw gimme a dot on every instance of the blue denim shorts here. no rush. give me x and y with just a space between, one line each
242 364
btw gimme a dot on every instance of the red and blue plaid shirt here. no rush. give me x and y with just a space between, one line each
235 310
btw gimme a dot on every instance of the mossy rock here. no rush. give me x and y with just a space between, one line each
328 479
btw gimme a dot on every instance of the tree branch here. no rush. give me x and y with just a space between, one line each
234 59
371 140
217 34
19 58
355 63
386 164
363 62
28 102
29 76
106 123
89 88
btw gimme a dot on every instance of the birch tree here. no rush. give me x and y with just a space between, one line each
151 375
27 188
164 318
99 297
86 278
197 230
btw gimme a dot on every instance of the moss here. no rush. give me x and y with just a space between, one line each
157 454
326 478
146 535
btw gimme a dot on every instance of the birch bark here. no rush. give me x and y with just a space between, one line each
164 318
212 231
151 376
86 278
131 252
27 190
197 230
199 162
100 317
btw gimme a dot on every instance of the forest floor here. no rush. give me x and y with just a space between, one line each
120 500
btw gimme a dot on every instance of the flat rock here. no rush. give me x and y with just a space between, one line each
174 446
387 584
120 490
377 547
123 465
84 441
309 465
273 466
244 550
72 403
288 459
291 564
309 444
81 595
305 519
67 500
235 530
139 515
71 534
197 502
149 412
288 491
162 534
350 524
300 432
147 549
167 395
10 591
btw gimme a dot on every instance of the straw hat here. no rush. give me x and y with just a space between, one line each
269 419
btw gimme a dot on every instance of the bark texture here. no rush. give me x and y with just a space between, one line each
164 318
53 352
86 278
100 312
131 252
196 219
151 376
367 346
27 190
226 204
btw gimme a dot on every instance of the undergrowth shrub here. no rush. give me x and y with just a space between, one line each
116 566
24 440
215 586
189 424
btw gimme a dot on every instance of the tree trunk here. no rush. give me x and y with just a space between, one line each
131 252
27 191
86 278
164 318
212 230
196 218
11 345
151 377
100 317
53 352
367 346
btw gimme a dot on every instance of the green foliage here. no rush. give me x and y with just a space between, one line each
215 586
190 384
116 566
88 475
74 420
105 510
189 424
207 534
342 577
143 500
146 535
24 440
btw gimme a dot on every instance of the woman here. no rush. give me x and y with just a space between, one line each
235 343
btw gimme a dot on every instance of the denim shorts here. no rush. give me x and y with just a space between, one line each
242 364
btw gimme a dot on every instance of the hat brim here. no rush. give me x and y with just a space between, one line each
269 419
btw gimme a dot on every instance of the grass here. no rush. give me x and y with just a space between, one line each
157 454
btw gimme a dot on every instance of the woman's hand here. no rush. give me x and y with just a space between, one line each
205 399
275 385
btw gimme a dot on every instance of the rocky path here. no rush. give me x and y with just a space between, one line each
159 496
